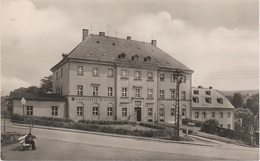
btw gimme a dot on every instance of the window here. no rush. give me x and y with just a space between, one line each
109 111
150 93
208 92
228 114
183 112
61 90
95 72
80 70
221 125
183 79
161 93
195 99
57 90
172 94
124 92
61 72
150 120
57 75
137 92
228 126
124 73
110 73
150 111
124 111
221 114
161 77
197 115
161 111
196 91
80 90
79 110
150 76
95 111
204 114
135 57
137 75
95 90
183 95
220 100
172 112
212 114
208 99
161 120
147 59
54 110
110 91
29 110
173 78
122 56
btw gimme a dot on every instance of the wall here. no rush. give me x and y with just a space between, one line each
63 81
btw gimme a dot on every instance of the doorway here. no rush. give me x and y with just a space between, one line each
138 114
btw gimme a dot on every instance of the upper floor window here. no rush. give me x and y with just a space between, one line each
183 80
80 90
195 99
173 78
221 114
183 95
110 91
172 94
135 57
150 76
124 92
161 77
228 114
212 114
80 70
110 73
204 114
208 92
150 111
124 73
220 100
228 126
57 75
161 93
208 99
137 75
95 72
150 93
61 72
137 92
95 90
196 91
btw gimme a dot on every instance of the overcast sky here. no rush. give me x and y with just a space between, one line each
218 39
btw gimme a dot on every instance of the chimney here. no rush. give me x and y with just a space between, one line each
128 38
102 34
154 42
200 87
210 87
85 34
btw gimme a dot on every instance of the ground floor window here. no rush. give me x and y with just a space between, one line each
150 112
161 111
124 111
79 110
161 120
172 112
54 110
95 111
29 110
196 114
109 111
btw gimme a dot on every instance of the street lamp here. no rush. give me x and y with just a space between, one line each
178 76
23 101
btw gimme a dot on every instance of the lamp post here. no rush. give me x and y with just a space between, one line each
178 76
23 101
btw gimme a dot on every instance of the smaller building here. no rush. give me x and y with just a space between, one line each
207 103
38 104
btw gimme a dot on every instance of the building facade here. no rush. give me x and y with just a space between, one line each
107 78
208 103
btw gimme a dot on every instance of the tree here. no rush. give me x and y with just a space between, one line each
46 84
244 120
253 103
32 89
210 126
237 100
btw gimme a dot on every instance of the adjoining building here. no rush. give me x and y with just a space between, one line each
37 104
208 103
108 78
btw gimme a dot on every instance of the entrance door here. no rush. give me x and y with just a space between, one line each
139 114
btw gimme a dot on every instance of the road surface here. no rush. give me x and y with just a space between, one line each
63 145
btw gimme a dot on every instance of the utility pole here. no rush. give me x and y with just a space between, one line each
178 76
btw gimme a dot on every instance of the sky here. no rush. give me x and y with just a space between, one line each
218 39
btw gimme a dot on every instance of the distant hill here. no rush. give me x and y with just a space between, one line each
243 92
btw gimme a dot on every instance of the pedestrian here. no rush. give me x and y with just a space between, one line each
29 140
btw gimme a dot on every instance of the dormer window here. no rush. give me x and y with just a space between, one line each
208 99
135 57
147 59
208 92
196 92
122 56
220 100
195 99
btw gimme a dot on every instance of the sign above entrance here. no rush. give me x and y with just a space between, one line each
91 99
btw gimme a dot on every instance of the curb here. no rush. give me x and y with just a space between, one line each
112 135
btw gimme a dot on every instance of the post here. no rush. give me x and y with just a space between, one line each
23 112
4 124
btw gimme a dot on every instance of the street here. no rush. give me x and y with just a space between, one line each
61 145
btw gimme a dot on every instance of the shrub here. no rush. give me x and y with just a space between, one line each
16 117
10 138
210 126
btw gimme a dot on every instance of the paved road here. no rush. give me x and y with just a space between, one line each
60 145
